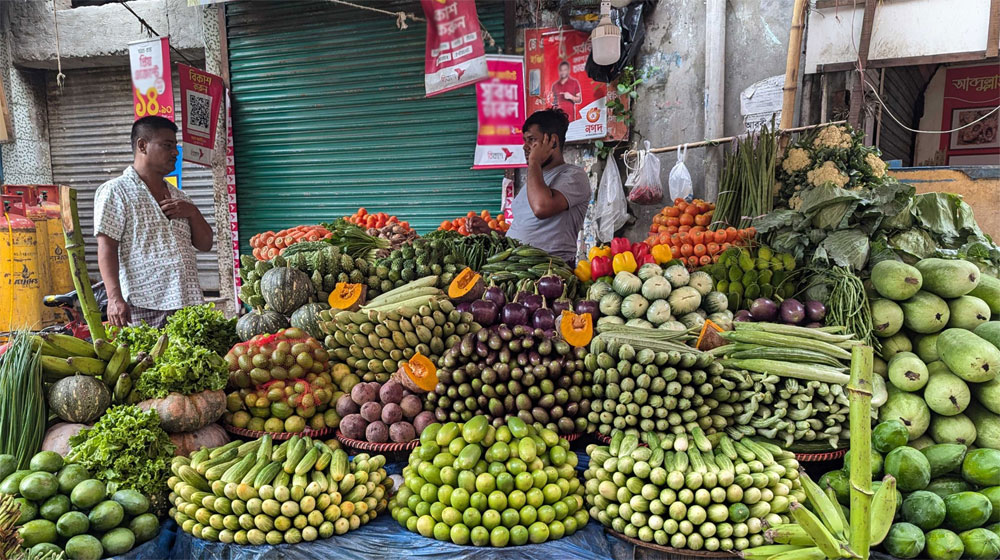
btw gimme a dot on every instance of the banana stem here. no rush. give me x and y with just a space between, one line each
859 390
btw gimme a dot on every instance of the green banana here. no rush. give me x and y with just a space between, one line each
788 533
825 508
117 365
883 509
87 366
818 532
105 349
122 388
75 346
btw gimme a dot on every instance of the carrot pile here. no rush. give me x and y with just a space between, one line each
269 244
498 223
379 220
684 228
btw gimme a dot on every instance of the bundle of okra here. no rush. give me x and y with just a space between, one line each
790 384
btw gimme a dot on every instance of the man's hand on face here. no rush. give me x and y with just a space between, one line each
119 313
542 150
476 224
175 208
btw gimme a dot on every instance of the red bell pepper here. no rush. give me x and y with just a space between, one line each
639 250
620 245
647 259
600 266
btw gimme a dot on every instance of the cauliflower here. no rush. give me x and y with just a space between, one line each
833 137
797 159
795 202
827 174
776 190
876 164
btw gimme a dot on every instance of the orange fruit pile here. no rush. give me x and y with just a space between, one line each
498 223
364 220
684 228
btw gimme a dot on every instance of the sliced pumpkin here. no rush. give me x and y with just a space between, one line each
419 373
709 337
467 286
576 328
347 297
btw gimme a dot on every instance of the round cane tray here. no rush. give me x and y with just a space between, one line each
388 447
673 553
255 434
820 457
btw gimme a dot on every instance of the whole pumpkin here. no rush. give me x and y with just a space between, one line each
307 319
57 437
260 321
209 436
79 398
285 289
187 413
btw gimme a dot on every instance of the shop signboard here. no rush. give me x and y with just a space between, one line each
500 103
555 61
152 90
201 98
970 101
455 55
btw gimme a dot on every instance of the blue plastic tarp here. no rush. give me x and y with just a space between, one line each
159 548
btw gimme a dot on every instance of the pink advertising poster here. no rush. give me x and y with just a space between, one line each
500 102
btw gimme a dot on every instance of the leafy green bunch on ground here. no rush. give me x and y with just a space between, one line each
185 369
203 325
126 448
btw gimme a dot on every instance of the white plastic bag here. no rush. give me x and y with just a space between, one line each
648 188
680 178
612 210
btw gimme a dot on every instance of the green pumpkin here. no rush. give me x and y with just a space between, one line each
79 399
286 289
260 321
307 319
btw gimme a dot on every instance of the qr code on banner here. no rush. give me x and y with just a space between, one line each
199 111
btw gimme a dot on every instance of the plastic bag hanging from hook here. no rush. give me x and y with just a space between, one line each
680 178
648 188
612 210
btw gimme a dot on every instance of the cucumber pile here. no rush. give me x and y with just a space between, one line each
655 391
256 493
684 492
63 509
503 372
376 340
475 484
281 383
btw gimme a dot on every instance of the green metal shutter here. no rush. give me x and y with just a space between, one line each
329 114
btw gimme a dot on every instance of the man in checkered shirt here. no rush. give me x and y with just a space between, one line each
147 232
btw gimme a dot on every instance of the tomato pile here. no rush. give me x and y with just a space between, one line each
498 223
684 228
269 244
364 220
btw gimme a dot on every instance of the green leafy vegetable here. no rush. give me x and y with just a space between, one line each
127 448
139 339
183 369
203 325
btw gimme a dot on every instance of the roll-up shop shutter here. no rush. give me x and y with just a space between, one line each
330 114
90 125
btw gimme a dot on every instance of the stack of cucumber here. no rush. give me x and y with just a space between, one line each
684 491
518 268
63 509
390 329
259 493
664 391
789 383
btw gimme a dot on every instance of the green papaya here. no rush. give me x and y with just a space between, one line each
948 485
889 435
980 544
993 495
943 544
904 540
944 458
924 509
967 510
948 278
982 467
910 468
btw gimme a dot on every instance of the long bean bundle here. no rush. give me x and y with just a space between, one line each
22 401
847 305
746 188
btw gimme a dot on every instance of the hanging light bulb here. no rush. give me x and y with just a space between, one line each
606 38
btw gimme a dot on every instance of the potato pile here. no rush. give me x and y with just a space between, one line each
380 413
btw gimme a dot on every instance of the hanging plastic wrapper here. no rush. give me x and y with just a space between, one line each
648 188
612 210
680 179
587 238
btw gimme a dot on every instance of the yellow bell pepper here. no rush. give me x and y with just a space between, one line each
624 261
662 253
598 251
583 271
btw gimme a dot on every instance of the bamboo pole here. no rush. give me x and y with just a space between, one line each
727 139
859 390
792 63
76 251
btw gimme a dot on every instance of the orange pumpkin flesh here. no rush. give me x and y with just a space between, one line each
576 328
421 372
466 286
347 297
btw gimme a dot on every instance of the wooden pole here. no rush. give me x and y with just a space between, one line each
859 390
792 63
76 251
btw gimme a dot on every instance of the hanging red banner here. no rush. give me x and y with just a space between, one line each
500 102
201 98
455 54
152 90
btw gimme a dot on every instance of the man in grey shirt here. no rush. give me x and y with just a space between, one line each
549 209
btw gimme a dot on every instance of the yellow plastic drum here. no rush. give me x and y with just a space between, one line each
59 275
20 289
50 315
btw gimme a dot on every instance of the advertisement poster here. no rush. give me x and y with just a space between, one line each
555 60
455 54
152 91
201 98
970 100
500 103
507 199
